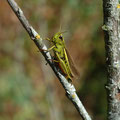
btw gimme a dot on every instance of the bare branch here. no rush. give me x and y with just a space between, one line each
69 88
112 43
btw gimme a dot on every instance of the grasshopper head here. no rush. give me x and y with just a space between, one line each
58 37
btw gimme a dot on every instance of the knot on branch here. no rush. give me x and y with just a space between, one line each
19 12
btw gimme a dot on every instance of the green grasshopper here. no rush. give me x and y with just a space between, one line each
62 57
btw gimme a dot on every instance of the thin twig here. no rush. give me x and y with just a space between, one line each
69 88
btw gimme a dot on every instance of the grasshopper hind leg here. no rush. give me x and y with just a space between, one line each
58 66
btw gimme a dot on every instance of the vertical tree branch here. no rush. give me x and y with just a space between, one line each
112 44
69 88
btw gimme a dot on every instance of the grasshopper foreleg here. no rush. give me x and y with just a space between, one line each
49 49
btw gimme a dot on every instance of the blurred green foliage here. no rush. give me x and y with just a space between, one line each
28 88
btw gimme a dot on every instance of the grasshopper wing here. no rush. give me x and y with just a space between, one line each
75 72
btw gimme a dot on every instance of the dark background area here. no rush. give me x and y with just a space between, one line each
29 90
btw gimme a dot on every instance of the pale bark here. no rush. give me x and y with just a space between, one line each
112 45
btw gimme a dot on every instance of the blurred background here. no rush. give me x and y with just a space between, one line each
29 90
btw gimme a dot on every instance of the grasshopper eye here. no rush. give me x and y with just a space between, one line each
61 37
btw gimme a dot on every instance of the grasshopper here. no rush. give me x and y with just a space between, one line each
62 57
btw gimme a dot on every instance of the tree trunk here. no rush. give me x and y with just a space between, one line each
111 29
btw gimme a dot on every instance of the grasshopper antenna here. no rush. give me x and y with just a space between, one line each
60 27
